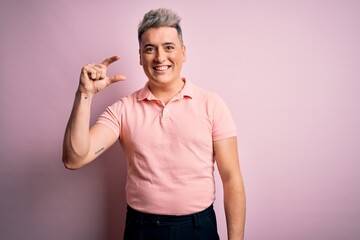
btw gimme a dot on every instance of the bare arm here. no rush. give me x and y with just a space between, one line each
82 144
226 156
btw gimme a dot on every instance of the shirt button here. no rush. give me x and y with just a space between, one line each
165 113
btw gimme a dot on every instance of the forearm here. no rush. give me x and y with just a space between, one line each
235 208
76 139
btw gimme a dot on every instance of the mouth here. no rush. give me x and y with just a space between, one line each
161 68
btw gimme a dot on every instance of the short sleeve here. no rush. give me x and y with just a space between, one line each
223 123
110 117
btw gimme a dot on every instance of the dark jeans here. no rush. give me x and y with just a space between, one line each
198 226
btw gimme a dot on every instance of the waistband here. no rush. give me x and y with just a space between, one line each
168 220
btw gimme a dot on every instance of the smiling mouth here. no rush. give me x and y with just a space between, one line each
161 68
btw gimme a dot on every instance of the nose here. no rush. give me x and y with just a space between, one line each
160 56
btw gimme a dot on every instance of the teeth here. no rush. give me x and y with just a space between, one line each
162 68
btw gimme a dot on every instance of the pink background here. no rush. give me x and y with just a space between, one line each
289 71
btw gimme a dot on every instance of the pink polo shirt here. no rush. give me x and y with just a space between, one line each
170 148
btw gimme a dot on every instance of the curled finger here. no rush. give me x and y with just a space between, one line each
99 72
102 69
90 71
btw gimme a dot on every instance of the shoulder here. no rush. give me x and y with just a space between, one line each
207 96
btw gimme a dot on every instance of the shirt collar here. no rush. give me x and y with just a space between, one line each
186 91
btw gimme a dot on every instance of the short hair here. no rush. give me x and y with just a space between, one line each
160 17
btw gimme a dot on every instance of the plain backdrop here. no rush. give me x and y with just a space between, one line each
288 70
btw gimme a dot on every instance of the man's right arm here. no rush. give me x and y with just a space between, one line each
83 144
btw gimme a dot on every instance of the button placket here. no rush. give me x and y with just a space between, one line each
165 113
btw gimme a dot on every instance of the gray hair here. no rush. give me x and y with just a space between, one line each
161 17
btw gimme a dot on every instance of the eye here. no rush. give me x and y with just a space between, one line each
149 50
169 48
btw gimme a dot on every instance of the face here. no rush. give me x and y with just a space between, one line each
162 55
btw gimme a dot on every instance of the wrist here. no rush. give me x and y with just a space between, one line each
84 95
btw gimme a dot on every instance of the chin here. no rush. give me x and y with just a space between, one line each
162 79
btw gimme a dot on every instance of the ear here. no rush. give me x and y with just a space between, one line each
183 49
140 58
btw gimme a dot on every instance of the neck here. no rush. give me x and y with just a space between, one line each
166 92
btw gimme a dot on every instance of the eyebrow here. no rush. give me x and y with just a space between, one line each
149 45
168 43
153 45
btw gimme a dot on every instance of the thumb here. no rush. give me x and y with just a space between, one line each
116 78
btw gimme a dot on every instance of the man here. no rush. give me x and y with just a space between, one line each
172 132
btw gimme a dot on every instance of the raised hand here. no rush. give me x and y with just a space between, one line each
93 77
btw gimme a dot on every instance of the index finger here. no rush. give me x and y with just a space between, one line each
110 60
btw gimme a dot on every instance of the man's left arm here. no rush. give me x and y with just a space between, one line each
226 155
